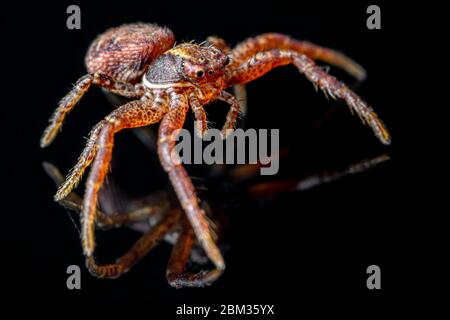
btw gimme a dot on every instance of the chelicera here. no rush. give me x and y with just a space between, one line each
141 62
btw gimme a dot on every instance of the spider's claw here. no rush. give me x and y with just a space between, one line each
379 128
47 137
316 87
330 93
226 132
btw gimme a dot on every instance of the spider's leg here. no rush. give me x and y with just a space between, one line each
64 107
71 99
146 243
232 114
84 160
268 41
240 92
181 182
181 251
131 115
263 62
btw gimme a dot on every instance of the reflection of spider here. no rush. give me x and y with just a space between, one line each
140 61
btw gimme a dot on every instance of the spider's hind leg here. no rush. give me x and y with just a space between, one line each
180 180
268 41
81 87
131 115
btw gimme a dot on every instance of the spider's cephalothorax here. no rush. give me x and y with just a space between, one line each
139 61
193 70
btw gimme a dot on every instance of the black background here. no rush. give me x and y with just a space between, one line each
299 251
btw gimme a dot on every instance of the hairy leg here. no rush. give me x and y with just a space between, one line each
181 182
143 246
263 62
240 92
268 41
71 99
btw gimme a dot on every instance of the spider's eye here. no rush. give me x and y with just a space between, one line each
200 73
210 72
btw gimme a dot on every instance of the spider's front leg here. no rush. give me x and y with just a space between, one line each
263 62
81 87
202 121
181 182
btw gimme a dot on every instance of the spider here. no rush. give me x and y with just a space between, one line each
142 62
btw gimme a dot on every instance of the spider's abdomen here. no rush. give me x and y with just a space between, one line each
125 52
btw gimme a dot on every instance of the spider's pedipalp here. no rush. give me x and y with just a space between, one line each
64 107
